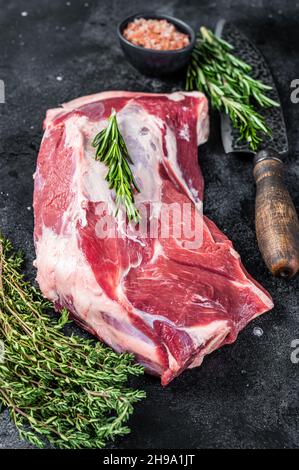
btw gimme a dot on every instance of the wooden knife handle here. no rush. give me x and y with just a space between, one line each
276 220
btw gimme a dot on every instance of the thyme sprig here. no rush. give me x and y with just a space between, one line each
227 81
112 150
62 389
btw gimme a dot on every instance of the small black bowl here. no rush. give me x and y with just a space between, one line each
153 62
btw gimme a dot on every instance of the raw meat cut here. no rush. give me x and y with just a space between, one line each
167 302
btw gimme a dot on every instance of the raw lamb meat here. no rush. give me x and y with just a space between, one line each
168 302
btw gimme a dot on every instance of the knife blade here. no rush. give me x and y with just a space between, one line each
247 51
276 220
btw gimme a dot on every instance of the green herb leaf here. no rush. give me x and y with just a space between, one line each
225 79
112 150
66 390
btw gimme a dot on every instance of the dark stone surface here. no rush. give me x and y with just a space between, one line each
245 395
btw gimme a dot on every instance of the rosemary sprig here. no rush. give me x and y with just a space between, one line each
227 81
62 389
112 150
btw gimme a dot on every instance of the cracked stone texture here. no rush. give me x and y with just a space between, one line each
246 394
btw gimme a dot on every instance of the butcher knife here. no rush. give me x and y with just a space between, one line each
276 220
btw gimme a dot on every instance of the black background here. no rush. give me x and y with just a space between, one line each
245 395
